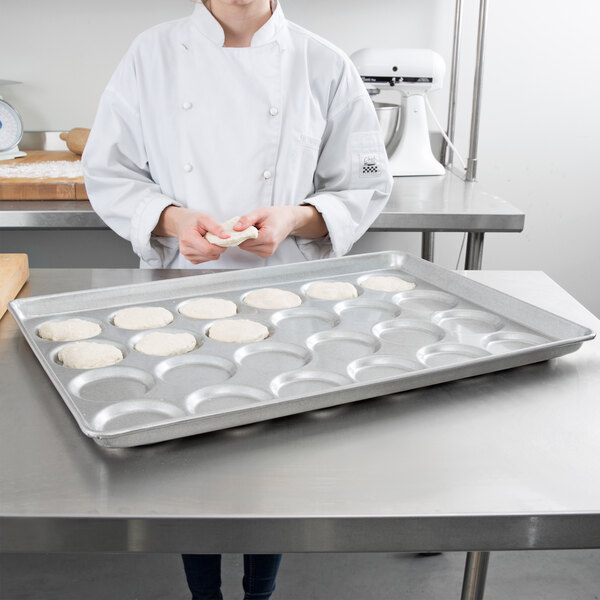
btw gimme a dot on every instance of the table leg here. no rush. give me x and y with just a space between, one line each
474 252
427 240
475 574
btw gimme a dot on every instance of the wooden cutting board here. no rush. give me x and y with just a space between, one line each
14 271
21 188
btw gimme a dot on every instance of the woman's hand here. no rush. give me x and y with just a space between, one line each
189 227
275 223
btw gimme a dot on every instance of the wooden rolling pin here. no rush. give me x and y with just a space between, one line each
14 271
76 139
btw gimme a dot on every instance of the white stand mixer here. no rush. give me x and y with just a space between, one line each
412 73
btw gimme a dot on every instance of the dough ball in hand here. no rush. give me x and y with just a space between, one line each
235 237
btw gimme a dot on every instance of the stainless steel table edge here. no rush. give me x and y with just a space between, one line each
79 214
250 534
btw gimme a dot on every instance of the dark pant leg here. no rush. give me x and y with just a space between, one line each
260 571
203 573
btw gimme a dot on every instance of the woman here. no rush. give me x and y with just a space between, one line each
235 111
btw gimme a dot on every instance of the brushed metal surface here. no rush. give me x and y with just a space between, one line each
497 462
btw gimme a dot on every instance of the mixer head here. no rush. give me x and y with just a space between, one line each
408 71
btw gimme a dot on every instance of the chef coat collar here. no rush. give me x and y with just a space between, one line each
271 31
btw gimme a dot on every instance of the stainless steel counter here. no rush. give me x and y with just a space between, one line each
425 204
497 462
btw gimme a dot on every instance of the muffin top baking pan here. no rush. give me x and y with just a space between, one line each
318 354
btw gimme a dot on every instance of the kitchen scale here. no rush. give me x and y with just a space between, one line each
11 128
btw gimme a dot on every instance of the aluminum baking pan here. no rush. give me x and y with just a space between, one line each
319 354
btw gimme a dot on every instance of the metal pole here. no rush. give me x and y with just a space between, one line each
446 154
475 111
427 243
475 574
474 253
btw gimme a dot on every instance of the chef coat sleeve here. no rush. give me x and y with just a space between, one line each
117 176
352 178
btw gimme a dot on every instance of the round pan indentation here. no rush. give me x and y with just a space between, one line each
371 368
111 384
409 333
302 321
134 414
343 345
195 370
509 341
222 398
364 312
306 383
442 355
272 357
425 301
468 321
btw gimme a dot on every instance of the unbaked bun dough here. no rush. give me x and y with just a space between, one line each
89 355
158 343
142 317
208 308
235 237
331 290
237 331
69 330
272 298
387 283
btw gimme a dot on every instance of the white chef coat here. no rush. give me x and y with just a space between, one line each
189 122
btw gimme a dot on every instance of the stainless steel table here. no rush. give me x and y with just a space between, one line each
425 204
498 462
430 204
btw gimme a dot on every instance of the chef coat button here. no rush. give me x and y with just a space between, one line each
273 111
267 175
186 105
188 168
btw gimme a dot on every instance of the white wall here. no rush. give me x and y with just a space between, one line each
539 128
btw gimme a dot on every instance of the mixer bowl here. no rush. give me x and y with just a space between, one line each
389 117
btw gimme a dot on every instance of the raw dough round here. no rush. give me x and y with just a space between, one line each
142 317
89 355
331 290
387 283
208 308
69 330
272 298
158 343
235 237
237 331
